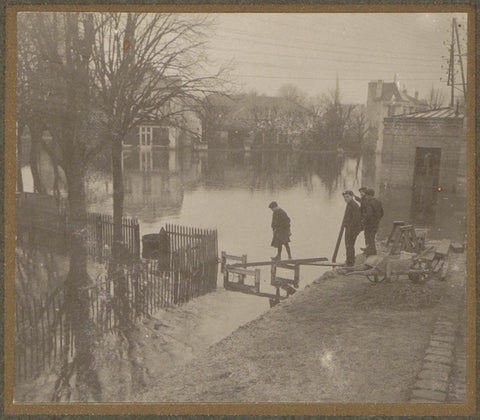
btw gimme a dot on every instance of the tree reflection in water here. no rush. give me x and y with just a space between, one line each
158 180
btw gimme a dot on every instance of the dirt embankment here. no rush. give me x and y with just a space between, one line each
342 339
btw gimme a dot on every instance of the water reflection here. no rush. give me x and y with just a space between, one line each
230 191
422 204
159 182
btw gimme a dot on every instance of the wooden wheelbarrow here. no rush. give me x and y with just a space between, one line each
377 268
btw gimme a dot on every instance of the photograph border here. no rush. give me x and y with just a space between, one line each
362 409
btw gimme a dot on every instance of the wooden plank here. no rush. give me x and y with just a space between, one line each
250 290
457 247
241 271
324 264
276 263
443 248
233 257
286 266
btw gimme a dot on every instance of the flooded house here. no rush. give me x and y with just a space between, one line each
246 121
173 126
423 166
384 100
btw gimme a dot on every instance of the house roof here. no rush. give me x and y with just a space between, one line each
440 113
390 90
220 99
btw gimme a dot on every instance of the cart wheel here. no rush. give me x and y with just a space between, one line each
418 278
376 278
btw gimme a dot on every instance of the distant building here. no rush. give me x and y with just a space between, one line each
387 99
425 150
174 126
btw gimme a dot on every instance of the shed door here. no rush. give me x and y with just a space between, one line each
427 166
425 183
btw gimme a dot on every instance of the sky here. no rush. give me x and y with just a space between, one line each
309 50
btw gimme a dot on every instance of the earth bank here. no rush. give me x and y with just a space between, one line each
342 339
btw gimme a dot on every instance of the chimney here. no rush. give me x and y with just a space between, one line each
378 92
396 80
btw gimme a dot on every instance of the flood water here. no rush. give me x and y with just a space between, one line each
230 191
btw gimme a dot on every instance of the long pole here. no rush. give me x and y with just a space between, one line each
452 65
460 60
339 239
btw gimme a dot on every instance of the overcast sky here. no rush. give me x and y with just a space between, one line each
310 50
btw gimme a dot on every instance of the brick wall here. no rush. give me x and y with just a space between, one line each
403 135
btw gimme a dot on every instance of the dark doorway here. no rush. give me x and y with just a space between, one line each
425 184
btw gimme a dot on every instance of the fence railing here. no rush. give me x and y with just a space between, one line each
100 236
54 233
42 333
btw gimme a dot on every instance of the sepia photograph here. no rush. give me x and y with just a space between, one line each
240 208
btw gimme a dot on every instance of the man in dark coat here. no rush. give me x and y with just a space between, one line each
352 222
362 199
281 230
371 220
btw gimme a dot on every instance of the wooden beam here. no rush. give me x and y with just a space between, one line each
237 270
327 264
261 263
443 248
249 290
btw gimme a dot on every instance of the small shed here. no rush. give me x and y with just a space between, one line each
424 149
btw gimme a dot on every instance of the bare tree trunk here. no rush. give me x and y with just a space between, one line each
77 300
36 135
119 250
19 158
120 257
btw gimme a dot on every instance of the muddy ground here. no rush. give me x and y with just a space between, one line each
342 339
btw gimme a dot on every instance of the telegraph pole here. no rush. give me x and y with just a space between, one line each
452 66
455 44
464 85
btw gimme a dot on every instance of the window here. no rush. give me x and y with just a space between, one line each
146 160
145 135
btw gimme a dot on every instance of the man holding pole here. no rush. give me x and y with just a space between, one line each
352 223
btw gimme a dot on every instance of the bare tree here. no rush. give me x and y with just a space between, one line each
147 68
292 93
28 83
357 125
63 100
336 116
436 98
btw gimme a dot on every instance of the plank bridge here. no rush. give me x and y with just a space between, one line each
243 276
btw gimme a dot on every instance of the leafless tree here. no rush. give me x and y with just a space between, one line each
436 98
62 98
336 116
27 101
147 68
293 93
358 125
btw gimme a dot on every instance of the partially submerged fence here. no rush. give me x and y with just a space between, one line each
100 236
40 223
42 333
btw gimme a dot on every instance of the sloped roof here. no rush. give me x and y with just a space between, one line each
440 113
390 89
221 100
